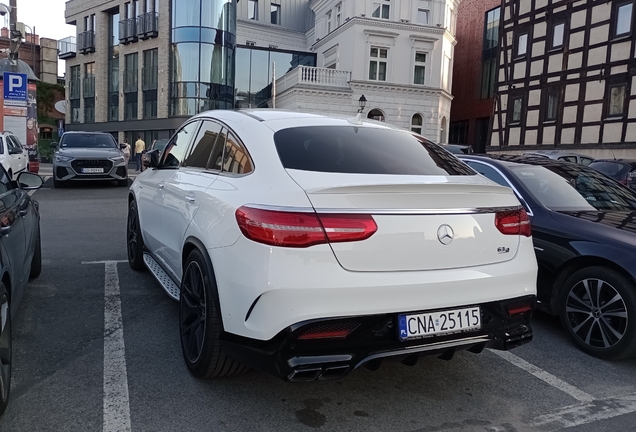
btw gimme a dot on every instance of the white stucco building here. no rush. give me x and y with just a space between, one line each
397 53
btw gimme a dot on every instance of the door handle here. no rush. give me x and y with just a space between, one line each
23 213
190 199
161 185
5 230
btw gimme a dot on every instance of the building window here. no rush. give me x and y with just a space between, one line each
623 19
75 93
490 53
89 93
381 9
131 86
338 15
328 18
552 106
422 16
377 64
416 124
275 13
419 76
517 107
113 68
376 114
150 75
522 45
252 9
458 132
558 34
442 132
617 100
75 111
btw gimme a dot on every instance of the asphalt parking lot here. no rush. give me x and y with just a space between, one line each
64 379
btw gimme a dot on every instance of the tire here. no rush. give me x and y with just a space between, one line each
134 240
6 348
200 322
122 183
58 184
597 307
36 262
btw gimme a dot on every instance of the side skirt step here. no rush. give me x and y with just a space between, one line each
162 277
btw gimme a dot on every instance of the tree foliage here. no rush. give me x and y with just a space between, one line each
46 96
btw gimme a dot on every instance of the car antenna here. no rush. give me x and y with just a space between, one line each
613 154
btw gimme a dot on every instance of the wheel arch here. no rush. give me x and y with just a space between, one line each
575 264
6 280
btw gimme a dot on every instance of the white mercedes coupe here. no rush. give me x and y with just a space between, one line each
306 246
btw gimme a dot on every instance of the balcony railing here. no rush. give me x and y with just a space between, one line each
86 42
149 75
131 81
74 89
128 30
67 47
89 87
148 25
313 76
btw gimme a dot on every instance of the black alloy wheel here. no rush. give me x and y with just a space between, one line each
595 306
5 348
134 240
200 323
193 309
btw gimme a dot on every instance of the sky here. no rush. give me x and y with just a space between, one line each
47 18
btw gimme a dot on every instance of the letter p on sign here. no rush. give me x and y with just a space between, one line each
15 82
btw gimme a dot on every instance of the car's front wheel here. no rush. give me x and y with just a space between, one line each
134 240
597 306
5 348
200 322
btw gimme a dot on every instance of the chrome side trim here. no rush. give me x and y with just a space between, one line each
428 212
429 347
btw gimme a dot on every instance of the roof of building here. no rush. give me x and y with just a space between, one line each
5 66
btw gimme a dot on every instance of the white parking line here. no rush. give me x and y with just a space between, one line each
591 412
547 377
116 399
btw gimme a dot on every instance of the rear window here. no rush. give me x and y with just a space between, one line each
615 170
363 150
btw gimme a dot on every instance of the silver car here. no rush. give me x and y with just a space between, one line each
562 156
89 156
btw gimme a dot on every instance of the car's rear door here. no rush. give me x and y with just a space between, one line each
185 190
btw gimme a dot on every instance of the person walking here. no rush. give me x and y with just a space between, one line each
140 148
126 150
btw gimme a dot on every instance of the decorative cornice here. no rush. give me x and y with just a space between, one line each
378 23
373 32
330 51
401 89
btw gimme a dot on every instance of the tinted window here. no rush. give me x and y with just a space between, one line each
80 140
5 182
568 159
574 188
12 145
204 144
586 161
176 149
216 160
488 172
363 150
616 170
236 159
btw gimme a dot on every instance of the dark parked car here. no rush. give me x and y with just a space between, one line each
20 259
584 231
621 170
457 149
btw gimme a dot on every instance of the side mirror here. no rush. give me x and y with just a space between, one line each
29 181
151 159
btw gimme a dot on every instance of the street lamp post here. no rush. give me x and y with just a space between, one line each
32 30
15 37
362 102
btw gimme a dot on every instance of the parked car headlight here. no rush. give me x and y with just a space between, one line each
118 159
61 158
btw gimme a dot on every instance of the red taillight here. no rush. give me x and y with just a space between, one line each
515 222
519 308
295 229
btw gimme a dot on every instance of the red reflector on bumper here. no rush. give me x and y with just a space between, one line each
517 309
338 334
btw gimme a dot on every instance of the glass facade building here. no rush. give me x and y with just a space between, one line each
202 57
254 73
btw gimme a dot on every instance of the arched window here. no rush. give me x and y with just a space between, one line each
376 114
416 124
442 135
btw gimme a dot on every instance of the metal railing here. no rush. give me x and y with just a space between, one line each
309 75
128 30
131 81
86 42
150 75
148 25
67 47
89 87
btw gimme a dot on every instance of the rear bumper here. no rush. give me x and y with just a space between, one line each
374 340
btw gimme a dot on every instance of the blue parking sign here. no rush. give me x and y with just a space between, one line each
15 87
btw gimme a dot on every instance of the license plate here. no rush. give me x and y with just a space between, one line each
92 170
429 324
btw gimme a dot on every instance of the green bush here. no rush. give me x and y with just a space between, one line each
45 150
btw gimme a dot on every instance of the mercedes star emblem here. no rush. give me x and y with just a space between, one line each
445 234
